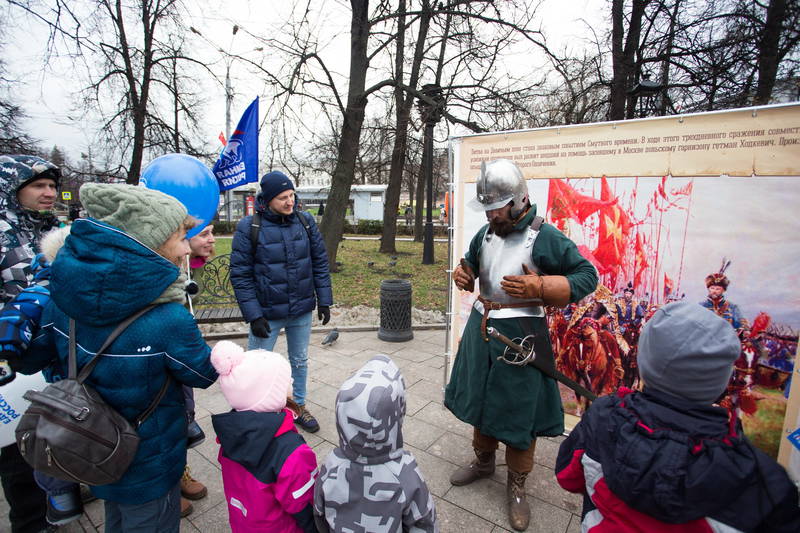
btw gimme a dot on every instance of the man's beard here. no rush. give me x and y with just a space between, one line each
501 228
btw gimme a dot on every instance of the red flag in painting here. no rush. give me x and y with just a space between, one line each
661 188
761 323
668 286
614 227
640 261
565 202
686 190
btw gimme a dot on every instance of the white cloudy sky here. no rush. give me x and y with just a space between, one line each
48 95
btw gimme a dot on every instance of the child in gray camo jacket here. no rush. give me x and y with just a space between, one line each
370 483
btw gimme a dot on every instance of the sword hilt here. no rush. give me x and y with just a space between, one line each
521 353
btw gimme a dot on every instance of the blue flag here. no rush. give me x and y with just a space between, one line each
238 162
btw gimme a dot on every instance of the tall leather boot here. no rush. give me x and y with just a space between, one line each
519 512
480 467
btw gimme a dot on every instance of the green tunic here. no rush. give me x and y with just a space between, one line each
514 404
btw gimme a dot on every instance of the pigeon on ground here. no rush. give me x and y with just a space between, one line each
371 264
331 337
392 263
394 257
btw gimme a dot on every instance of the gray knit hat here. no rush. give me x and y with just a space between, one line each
688 351
147 215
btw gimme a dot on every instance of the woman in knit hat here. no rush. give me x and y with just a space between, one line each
121 259
268 470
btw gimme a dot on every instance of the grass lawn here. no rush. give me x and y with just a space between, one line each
358 282
764 428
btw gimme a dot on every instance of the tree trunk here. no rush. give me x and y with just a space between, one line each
135 167
138 98
623 56
664 101
617 96
768 51
403 104
419 208
353 119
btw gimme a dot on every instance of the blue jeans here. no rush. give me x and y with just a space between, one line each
162 515
298 335
54 486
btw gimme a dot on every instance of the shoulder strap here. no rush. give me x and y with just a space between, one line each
86 370
255 227
152 407
303 216
537 223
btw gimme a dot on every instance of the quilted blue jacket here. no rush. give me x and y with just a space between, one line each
100 277
288 275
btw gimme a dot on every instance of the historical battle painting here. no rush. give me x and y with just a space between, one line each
727 243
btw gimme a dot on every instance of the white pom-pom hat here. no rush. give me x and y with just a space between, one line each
257 380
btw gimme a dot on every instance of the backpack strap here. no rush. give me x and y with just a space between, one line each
537 223
87 369
303 216
255 227
152 407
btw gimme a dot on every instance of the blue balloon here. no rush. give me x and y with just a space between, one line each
187 179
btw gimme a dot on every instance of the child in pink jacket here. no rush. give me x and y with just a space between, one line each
268 470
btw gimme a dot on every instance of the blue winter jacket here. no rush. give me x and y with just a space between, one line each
289 274
100 277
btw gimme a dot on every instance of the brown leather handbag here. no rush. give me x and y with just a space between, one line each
69 432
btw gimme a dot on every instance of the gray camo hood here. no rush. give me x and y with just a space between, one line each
370 407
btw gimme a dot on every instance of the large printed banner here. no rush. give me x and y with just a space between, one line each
656 224
756 141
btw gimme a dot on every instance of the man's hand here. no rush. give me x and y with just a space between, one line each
324 314
463 276
527 286
260 327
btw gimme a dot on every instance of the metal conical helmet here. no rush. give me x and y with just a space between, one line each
500 182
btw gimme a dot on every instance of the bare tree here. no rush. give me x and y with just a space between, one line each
374 33
13 138
129 55
403 103
710 54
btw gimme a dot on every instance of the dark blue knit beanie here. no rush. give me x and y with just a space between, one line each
273 183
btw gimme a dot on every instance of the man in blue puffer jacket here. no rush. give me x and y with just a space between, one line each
280 279
113 264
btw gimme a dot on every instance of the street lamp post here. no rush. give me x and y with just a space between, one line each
646 91
228 102
431 114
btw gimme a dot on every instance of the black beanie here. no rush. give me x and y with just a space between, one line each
273 183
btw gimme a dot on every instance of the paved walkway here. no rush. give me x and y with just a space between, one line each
438 440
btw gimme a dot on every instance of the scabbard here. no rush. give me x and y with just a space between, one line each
546 365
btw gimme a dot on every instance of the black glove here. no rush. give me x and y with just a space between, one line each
324 314
260 327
